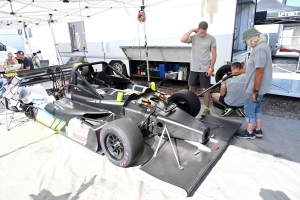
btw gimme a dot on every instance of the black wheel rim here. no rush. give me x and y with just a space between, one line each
114 146
182 105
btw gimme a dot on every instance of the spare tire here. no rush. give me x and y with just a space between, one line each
187 101
224 70
119 66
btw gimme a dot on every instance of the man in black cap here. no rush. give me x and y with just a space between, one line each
27 64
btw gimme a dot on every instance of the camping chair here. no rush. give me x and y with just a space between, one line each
10 99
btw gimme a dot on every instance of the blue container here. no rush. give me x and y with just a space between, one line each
169 67
176 67
162 70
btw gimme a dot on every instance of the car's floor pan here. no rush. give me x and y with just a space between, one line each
164 166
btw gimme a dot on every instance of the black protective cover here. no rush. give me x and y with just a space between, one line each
196 167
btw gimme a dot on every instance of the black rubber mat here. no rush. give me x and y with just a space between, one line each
164 166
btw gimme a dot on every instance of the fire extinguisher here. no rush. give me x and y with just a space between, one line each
139 70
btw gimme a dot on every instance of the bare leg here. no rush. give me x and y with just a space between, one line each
258 124
250 127
206 97
216 97
192 88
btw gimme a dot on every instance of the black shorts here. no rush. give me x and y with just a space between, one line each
221 100
194 77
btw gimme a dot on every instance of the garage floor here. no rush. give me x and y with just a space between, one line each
36 163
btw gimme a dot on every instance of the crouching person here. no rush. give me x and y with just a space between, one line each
232 93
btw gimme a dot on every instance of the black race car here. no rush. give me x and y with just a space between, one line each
105 111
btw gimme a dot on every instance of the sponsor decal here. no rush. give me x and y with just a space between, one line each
289 14
101 135
80 138
126 157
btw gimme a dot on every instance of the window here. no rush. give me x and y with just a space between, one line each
77 35
287 36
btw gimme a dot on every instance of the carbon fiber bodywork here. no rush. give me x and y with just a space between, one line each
88 109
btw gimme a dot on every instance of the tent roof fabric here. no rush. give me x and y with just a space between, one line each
274 12
16 13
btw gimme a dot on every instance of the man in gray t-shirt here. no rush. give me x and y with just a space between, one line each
203 58
232 94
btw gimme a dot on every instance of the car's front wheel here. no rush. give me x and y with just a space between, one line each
122 142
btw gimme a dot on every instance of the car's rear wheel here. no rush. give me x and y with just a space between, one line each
187 101
122 142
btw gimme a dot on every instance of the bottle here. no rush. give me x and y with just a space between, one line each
180 75
138 70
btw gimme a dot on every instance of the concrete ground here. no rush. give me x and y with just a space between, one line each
36 163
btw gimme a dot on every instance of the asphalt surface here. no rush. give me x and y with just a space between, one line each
272 105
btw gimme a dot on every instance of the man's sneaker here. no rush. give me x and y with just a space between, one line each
245 135
240 112
258 133
205 112
227 112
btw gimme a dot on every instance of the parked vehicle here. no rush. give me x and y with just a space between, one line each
116 119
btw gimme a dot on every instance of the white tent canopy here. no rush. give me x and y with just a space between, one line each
16 13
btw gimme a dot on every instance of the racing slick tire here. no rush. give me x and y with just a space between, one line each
222 71
187 101
122 142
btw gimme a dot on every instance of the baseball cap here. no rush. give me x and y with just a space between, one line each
249 33
20 52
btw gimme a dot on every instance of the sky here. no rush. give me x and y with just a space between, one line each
293 2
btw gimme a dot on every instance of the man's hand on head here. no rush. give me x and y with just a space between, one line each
195 30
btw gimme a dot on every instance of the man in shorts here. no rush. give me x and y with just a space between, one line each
203 58
232 93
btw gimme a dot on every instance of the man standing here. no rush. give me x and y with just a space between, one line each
258 81
203 58
232 94
27 64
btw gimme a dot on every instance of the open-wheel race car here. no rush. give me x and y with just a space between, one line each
108 112
132 125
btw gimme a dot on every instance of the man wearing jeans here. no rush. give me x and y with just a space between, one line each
258 82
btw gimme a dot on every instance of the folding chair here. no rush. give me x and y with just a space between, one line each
10 99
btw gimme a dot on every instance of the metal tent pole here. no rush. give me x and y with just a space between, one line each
27 39
142 19
55 44
146 51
